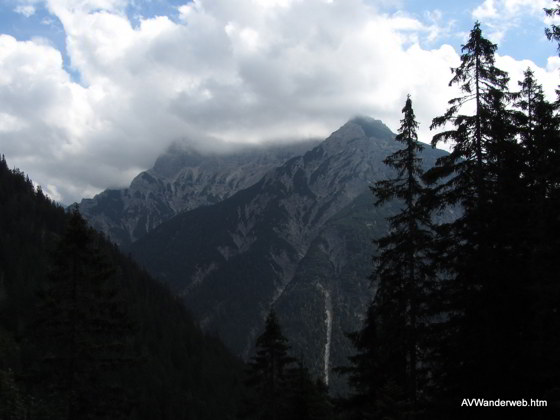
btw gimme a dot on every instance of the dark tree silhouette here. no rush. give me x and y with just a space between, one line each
539 133
83 330
369 397
493 302
267 375
279 386
404 270
307 399
470 177
386 373
553 32
176 371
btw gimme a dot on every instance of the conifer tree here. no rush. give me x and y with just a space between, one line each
537 128
464 168
364 373
539 131
404 271
479 253
307 399
82 330
553 32
386 371
14 404
267 375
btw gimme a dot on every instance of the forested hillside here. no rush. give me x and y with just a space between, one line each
429 282
85 333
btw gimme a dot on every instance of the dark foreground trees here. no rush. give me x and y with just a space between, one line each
478 176
481 315
279 386
492 253
267 377
84 330
386 374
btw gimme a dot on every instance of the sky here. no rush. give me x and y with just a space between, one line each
92 91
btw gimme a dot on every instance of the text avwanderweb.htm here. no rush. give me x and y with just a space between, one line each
481 402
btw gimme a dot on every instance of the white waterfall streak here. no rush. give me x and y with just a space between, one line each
328 328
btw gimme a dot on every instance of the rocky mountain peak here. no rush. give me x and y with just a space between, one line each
372 127
362 135
299 240
182 179
175 159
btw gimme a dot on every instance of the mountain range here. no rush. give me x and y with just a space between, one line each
181 179
298 239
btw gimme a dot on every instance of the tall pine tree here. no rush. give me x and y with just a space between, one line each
539 131
404 271
387 371
83 330
267 374
479 253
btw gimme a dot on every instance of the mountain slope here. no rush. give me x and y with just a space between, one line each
299 239
181 179
177 372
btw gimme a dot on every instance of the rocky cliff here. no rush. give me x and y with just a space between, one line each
300 240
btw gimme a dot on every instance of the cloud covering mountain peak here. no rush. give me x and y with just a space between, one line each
126 86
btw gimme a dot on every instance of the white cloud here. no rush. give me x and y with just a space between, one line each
227 71
547 77
502 16
506 9
26 10
486 10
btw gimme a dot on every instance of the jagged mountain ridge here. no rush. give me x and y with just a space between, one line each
299 239
181 179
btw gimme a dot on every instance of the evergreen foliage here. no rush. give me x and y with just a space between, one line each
477 175
386 373
553 32
404 272
82 330
307 399
489 290
465 308
464 168
267 373
539 135
279 386
364 372
120 346
14 403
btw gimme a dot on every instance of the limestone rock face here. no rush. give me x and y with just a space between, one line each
299 239
180 180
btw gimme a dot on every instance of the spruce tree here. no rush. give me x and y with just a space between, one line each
463 170
267 374
82 330
404 271
537 127
553 32
364 373
479 254
386 373
539 132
